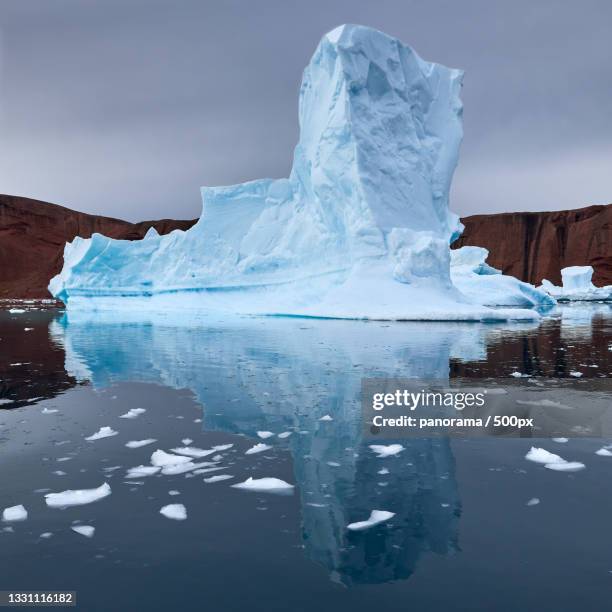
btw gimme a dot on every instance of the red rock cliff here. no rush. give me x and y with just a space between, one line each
536 245
33 234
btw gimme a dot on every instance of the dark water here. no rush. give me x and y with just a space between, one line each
462 538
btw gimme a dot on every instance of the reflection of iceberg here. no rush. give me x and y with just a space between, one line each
360 229
285 376
577 286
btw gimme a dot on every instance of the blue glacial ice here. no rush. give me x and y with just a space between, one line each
486 285
360 229
578 286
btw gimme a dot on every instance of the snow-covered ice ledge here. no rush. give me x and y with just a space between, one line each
360 229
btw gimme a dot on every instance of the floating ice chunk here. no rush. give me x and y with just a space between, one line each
174 492
265 434
560 440
176 512
566 466
14 513
46 535
77 497
265 485
284 434
192 451
208 469
389 450
383 471
258 448
16 310
534 501
327 417
59 472
576 374
49 411
577 286
376 517
140 471
186 441
85 530
140 443
103 432
222 447
132 413
604 452
218 478
182 468
162 459
518 374
541 455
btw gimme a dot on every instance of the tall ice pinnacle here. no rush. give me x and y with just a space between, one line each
360 229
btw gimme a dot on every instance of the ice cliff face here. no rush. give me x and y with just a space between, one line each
360 229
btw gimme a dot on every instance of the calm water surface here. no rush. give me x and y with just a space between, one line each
463 536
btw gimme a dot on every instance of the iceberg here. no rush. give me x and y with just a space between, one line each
577 286
360 229
486 285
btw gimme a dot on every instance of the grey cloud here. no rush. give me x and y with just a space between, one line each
126 107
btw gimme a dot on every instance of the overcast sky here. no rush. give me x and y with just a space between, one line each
127 107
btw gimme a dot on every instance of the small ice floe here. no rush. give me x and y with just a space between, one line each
28 329
376 517
183 468
16 310
46 535
58 472
315 505
383 471
552 461
576 374
222 447
265 485
534 501
388 450
604 452
140 443
49 411
132 413
174 492
192 451
265 434
218 478
566 466
518 375
140 471
103 432
186 441
284 434
327 417
560 440
84 530
162 459
541 455
258 448
14 513
77 497
176 512
333 464
208 469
